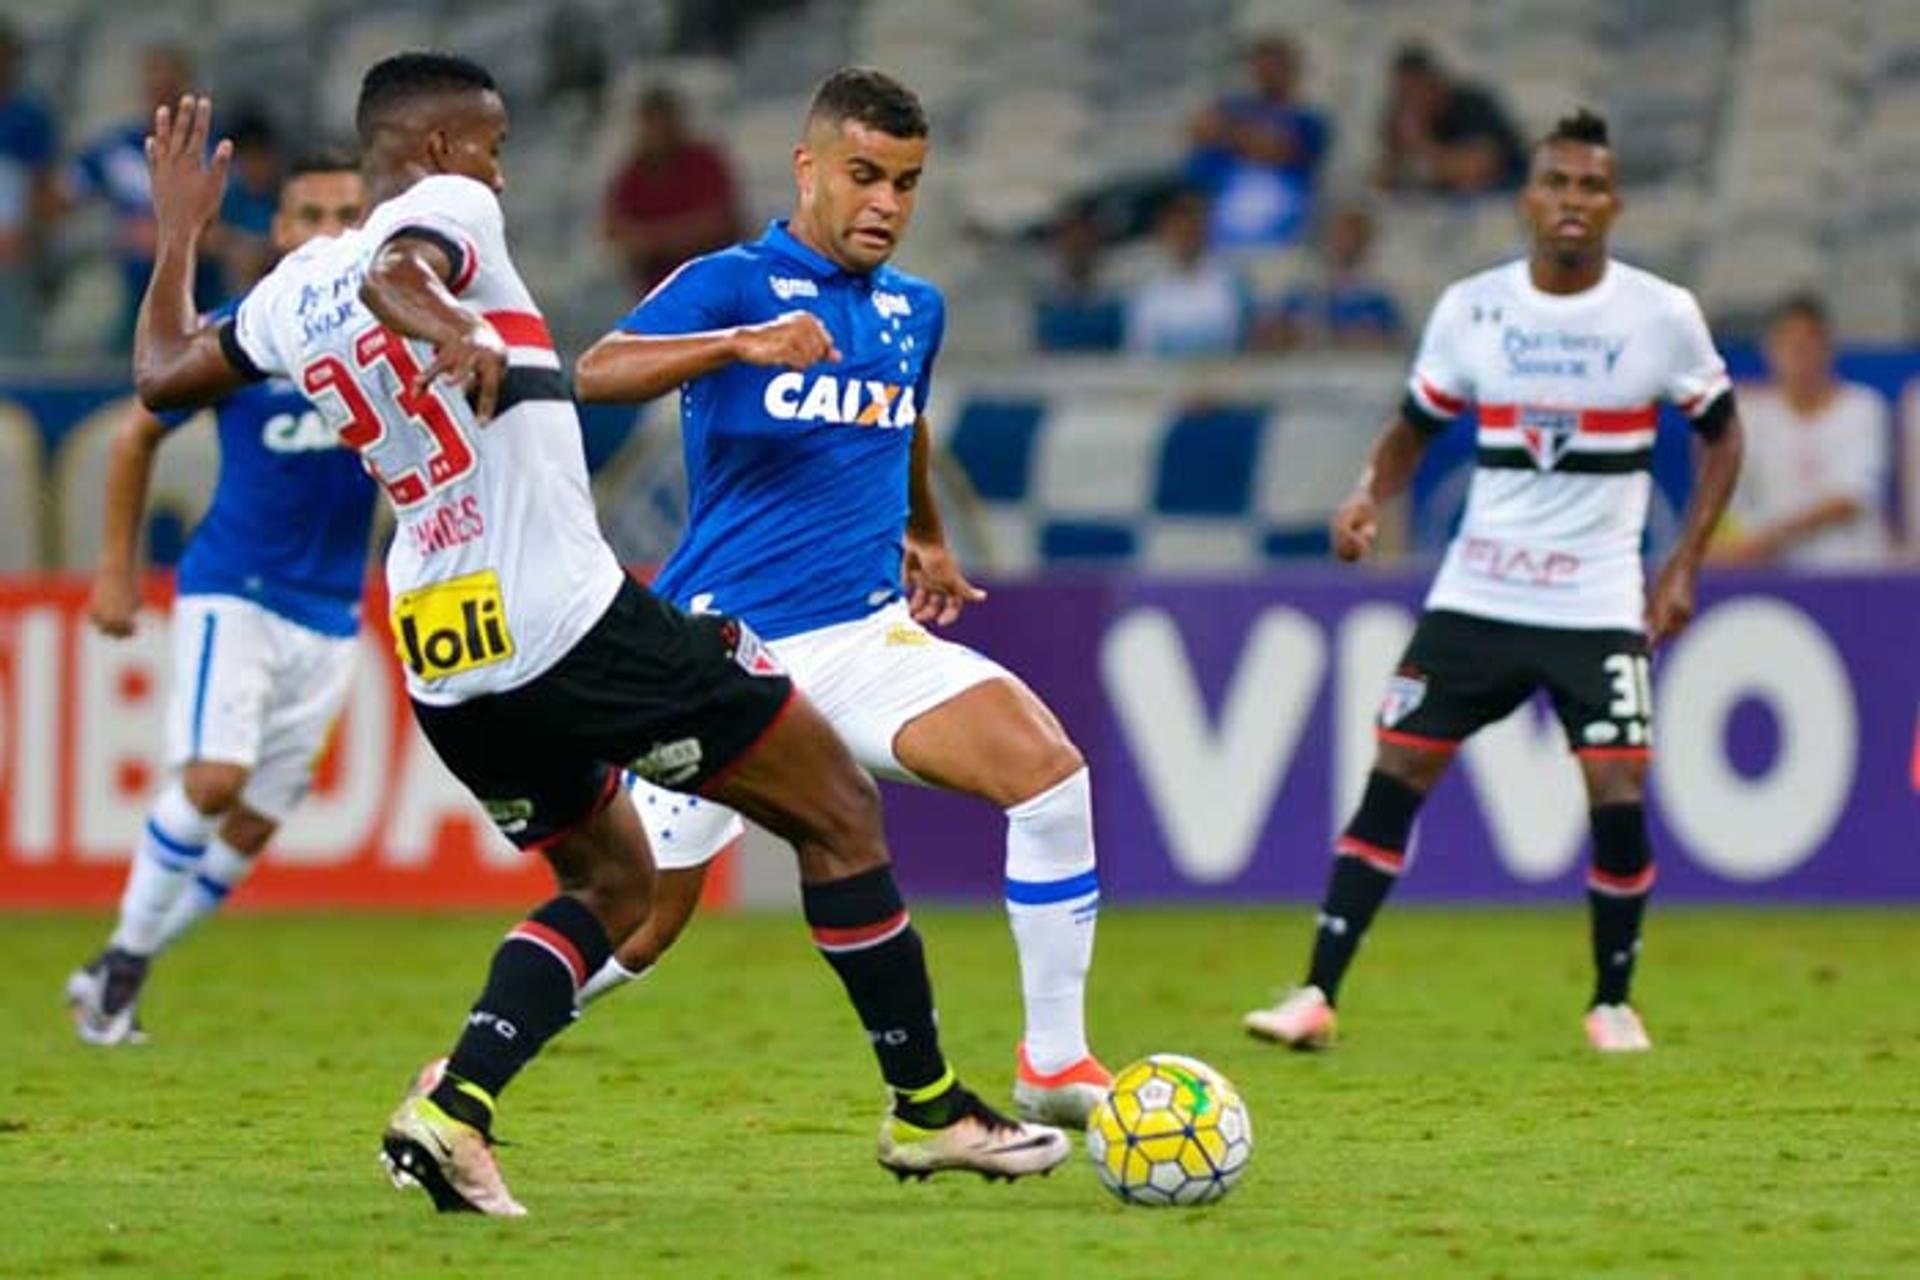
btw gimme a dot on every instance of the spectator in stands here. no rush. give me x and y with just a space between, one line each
1444 135
26 171
243 240
1076 311
1194 304
1257 154
1815 481
1346 305
113 168
673 200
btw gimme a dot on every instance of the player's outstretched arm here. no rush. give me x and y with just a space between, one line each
178 363
632 368
406 290
1670 604
1394 458
114 599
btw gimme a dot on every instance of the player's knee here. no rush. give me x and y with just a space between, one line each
1612 782
1418 767
247 831
211 788
1046 758
847 836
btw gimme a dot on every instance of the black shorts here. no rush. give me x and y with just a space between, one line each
1461 673
677 698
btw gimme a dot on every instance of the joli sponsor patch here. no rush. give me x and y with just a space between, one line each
452 626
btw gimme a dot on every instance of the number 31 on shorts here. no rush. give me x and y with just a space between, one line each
1632 676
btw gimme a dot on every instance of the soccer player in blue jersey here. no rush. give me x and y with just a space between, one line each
805 363
263 634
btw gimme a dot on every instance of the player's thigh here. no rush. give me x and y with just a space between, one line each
222 681
995 739
310 690
1601 683
1458 675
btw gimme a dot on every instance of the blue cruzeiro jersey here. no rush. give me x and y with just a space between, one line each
290 516
797 480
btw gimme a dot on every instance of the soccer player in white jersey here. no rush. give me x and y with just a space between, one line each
263 635
1565 354
536 667
807 362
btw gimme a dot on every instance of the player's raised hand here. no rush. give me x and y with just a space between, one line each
1356 526
113 603
795 340
475 362
187 182
937 592
1670 604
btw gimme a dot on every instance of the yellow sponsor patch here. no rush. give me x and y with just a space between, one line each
907 633
452 626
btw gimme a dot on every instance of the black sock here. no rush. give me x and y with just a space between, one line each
1370 856
1617 889
528 999
862 927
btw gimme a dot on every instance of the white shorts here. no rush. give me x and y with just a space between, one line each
251 688
869 678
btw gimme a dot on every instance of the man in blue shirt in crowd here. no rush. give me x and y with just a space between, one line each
27 145
1257 155
805 364
263 634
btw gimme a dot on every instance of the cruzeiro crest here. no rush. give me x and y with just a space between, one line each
1547 433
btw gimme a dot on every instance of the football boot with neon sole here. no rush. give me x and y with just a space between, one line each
1303 1020
979 1139
451 1160
1066 1097
1616 1028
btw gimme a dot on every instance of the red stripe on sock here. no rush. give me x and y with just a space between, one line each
1620 886
539 934
859 936
1379 857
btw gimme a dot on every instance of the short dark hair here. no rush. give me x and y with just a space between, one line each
872 98
1804 305
251 128
394 81
1415 59
1583 126
323 160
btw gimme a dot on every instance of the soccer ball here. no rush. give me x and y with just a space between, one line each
1171 1131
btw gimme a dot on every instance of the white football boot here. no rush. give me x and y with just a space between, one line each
981 1139
104 999
1302 1020
1066 1097
425 1147
1616 1028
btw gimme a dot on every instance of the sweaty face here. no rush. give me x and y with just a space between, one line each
1570 199
858 187
468 137
318 204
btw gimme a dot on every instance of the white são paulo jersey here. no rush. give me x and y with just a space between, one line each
497 567
1567 389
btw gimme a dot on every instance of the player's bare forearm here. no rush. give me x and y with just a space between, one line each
129 472
1394 458
632 368
406 290
923 509
1714 479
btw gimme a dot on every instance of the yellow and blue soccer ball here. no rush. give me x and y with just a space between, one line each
1173 1131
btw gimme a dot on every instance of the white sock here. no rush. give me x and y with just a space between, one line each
610 975
171 846
219 874
1053 898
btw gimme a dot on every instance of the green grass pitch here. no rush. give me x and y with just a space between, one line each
718 1119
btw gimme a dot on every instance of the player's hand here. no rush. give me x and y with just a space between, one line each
475 362
187 183
1670 603
113 603
796 340
937 592
1356 526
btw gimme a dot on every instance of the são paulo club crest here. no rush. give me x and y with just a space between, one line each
1547 433
1406 690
